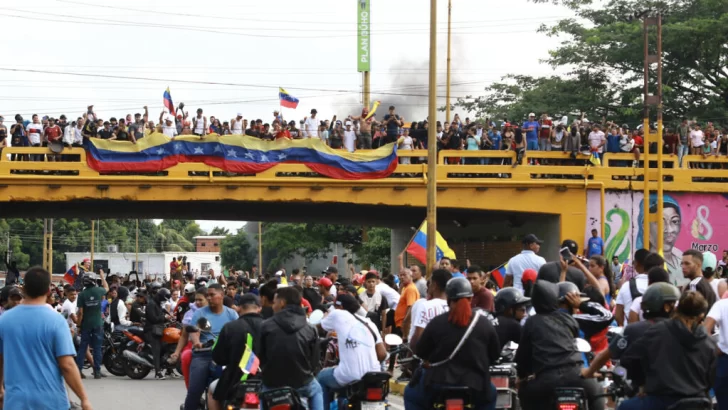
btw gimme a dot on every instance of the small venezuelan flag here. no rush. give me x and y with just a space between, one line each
499 274
418 246
287 100
168 104
71 274
249 363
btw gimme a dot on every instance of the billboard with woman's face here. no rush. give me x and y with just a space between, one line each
690 222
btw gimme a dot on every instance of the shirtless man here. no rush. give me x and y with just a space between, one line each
365 128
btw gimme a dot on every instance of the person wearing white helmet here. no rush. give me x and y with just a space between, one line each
183 305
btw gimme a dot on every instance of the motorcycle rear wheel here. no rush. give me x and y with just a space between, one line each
135 371
114 363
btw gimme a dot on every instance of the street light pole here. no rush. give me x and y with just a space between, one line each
432 145
449 35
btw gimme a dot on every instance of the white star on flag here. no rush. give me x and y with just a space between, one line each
231 153
282 156
160 151
249 155
263 158
177 146
217 149
198 150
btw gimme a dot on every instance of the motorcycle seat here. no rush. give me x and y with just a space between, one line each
136 331
692 403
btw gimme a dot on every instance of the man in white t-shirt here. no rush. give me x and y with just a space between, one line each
597 140
390 294
69 308
311 125
424 310
640 283
349 137
360 346
718 315
527 259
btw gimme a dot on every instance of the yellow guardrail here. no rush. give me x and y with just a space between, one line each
472 168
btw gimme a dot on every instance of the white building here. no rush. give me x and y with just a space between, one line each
151 263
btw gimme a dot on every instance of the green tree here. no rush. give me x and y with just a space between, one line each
376 250
235 251
219 231
602 39
187 229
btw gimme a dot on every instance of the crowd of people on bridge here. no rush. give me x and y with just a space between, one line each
362 131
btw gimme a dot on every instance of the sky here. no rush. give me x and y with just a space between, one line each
230 56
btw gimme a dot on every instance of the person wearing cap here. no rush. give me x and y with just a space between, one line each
236 124
10 296
37 352
168 126
361 348
547 357
288 349
460 345
332 274
710 273
235 337
528 258
90 320
692 268
531 128
510 310
311 125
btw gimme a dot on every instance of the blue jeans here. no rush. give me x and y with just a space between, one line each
721 382
682 150
200 369
94 337
312 392
532 145
328 384
421 397
544 144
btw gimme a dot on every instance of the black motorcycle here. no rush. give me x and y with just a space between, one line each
113 358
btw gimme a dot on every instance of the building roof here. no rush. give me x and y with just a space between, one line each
209 237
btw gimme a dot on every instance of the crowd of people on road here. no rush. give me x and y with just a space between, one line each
454 321
365 131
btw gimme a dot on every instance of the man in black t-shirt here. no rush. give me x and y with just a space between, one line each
510 308
106 132
393 122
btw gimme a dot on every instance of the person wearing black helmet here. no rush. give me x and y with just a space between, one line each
547 357
460 346
685 353
154 326
510 309
590 314
90 321
659 304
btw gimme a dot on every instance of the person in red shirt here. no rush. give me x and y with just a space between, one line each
482 297
279 132
52 133
544 137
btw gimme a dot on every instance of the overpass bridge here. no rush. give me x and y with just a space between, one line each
488 198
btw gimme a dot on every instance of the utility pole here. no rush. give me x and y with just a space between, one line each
136 247
260 246
432 146
449 35
47 244
656 101
93 234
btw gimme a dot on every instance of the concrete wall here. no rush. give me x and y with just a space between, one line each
152 263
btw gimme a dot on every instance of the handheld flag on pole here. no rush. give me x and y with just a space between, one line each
71 274
418 246
287 100
373 110
249 363
167 101
499 274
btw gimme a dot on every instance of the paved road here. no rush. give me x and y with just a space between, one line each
122 393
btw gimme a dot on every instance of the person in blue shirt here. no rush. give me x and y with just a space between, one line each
36 348
613 139
595 245
531 127
218 315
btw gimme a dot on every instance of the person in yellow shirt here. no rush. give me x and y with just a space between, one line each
358 281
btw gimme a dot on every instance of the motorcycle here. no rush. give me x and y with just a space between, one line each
138 354
246 395
503 376
114 345
284 398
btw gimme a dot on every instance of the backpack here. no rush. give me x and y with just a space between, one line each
633 289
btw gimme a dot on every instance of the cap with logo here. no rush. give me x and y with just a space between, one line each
531 238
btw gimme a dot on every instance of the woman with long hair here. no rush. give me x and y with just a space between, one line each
452 347
599 267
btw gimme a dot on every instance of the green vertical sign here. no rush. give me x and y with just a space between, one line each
363 42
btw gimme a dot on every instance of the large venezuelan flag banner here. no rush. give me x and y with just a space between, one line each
240 154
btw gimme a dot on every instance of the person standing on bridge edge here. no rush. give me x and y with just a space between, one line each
528 258
594 246
41 350
531 128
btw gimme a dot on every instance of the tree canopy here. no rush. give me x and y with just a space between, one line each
236 252
603 47
282 241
